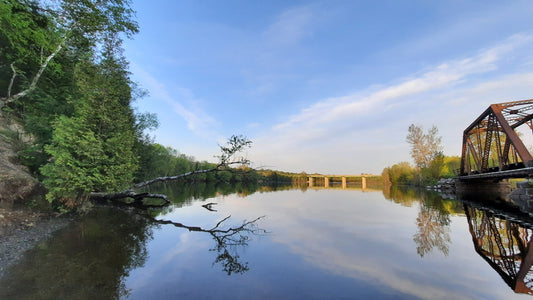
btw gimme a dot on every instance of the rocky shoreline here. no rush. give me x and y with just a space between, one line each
445 186
21 229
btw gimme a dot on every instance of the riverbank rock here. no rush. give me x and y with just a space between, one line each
522 197
16 183
445 186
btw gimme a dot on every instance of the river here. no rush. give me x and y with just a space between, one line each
283 243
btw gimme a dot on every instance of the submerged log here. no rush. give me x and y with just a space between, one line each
137 197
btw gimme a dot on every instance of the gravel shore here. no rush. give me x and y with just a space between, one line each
22 229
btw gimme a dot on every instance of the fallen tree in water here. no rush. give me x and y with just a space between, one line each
227 158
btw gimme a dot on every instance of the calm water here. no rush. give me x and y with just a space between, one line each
318 244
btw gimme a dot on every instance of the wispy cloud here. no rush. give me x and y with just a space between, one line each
273 61
197 120
290 27
354 122
445 74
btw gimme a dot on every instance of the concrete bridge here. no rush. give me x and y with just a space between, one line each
328 179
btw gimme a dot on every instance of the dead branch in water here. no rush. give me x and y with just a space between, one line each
227 158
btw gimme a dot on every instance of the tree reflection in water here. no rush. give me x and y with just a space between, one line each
87 260
227 242
433 224
91 258
507 247
433 221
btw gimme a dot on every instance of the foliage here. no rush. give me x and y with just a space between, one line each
64 76
400 173
451 166
424 146
430 163
236 144
93 149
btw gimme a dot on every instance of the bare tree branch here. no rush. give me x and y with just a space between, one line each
235 144
218 224
209 206
12 80
227 240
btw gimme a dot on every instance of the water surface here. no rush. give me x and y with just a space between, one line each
310 244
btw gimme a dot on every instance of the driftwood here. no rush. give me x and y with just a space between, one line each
235 145
137 197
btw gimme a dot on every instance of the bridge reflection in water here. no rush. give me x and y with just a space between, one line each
505 245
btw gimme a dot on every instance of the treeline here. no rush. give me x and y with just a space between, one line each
406 174
430 163
64 77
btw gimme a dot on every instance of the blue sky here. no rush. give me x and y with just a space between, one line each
326 86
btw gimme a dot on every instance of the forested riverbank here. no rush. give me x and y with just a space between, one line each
68 127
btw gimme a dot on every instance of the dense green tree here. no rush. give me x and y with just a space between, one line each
64 77
41 46
400 173
92 151
436 165
451 166
36 34
26 36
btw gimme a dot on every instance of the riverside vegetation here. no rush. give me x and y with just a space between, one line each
67 121
430 163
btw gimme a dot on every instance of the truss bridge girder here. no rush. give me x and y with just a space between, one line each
491 144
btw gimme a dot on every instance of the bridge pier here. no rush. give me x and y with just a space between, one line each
497 191
485 190
522 196
329 180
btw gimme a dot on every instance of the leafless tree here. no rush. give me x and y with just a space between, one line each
424 146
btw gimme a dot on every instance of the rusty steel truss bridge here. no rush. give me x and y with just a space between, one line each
492 146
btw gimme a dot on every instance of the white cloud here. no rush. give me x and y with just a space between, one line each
334 109
321 132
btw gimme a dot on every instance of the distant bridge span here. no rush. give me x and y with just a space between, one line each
328 178
492 149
